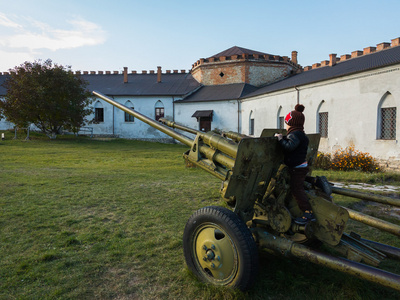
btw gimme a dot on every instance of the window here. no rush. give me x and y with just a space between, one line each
281 123
159 110
99 115
98 112
159 113
280 119
251 123
128 117
323 124
387 114
388 123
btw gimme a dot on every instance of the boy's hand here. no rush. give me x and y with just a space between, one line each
279 136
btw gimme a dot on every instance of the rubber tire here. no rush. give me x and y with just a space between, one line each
240 244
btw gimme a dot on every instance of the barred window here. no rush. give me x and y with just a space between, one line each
251 129
281 123
388 123
323 124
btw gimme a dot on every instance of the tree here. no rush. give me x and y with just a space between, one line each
47 95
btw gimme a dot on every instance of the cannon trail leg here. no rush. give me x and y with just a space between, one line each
288 248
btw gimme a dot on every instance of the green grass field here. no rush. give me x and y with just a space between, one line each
88 219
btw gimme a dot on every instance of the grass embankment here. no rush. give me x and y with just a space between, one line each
87 219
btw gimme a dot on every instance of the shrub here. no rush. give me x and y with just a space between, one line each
323 161
347 159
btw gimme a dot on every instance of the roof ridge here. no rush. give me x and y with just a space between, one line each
236 50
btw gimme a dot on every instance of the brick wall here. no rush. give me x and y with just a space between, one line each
252 72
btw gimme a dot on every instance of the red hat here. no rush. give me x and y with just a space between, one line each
296 118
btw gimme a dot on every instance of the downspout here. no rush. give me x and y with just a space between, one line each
238 117
298 94
173 109
173 114
113 119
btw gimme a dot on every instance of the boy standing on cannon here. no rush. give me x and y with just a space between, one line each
294 146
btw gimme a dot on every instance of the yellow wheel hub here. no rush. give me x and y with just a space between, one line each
216 253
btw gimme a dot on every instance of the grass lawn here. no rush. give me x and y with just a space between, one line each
88 219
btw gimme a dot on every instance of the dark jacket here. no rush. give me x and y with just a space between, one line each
294 146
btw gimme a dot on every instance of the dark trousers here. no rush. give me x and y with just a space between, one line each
297 177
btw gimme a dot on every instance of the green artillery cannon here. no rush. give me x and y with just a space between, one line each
221 245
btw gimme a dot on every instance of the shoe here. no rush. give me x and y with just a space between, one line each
308 216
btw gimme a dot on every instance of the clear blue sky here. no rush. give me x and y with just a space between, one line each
92 35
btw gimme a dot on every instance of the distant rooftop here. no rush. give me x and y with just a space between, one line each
220 92
357 64
142 84
235 50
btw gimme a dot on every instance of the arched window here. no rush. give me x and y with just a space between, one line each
322 120
251 123
159 110
280 119
128 117
98 112
386 127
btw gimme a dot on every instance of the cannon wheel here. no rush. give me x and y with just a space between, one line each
219 248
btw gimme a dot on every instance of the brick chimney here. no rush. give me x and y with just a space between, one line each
369 50
356 53
395 42
125 75
332 59
345 57
382 46
158 74
294 57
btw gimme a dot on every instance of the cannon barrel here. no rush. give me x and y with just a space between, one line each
177 126
212 139
234 136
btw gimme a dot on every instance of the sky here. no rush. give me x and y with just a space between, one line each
104 35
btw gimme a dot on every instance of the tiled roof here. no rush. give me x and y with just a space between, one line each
220 92
359 64
235 50
138 84
142 84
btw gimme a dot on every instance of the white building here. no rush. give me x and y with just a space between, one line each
350 100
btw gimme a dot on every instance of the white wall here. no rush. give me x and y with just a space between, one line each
225 114
114 118
351 102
